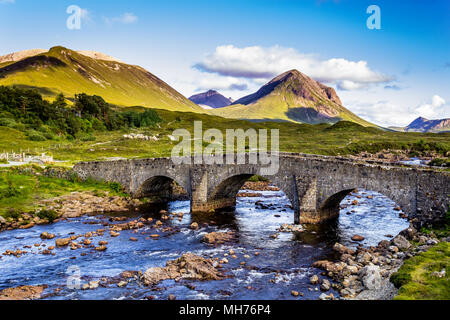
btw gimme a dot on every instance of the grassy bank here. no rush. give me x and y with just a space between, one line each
419 278
21 192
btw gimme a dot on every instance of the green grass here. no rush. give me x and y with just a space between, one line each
415 280
341 139
21 192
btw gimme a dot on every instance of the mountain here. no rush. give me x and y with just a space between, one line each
211 99
61 70
17 56
425 125
292 96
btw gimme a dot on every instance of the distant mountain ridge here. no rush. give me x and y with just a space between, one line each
292 96
211 99
424 125
61 70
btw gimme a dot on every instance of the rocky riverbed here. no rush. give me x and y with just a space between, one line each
253 253
363 273
72 205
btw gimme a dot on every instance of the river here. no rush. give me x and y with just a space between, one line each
283 264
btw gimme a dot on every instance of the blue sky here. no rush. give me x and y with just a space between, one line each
389 76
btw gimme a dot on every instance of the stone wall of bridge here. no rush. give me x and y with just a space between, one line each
315 185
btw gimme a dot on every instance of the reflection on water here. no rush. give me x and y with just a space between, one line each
283 264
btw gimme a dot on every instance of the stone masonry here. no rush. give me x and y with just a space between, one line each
315 185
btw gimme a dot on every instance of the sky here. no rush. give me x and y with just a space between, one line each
388 66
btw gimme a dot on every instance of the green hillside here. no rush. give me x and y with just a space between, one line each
294 97
61 70
93 130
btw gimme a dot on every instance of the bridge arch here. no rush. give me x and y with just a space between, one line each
229 187
329 202
159 186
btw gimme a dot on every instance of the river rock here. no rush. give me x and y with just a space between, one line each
194 226
326 285
218 237
22 293
401 242
3 220
62 242
357 237
371 277
94 285
324 296
188 266
47 236
363 257
432 242
343 249
314 279
409 233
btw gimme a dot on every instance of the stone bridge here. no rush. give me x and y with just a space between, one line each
315 185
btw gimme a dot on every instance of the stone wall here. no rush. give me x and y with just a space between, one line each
315 185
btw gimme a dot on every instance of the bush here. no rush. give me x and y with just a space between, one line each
440 163
400 279
8 122
115 186
11 191
49 215
258 179
35 136
12 213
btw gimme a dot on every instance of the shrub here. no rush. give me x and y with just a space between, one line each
440 163
115 186
8 122
49 215
11 191
35 136
399 279
12 213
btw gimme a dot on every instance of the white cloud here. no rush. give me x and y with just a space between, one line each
437 101
7 1
260 62
126 18
386 113
435 110
221 83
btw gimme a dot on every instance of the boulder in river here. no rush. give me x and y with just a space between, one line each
314 279
22 293
47 236
343 249
188 266
357 237
371 277
62 242
218 237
